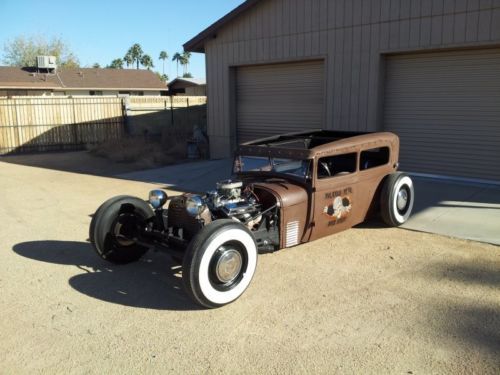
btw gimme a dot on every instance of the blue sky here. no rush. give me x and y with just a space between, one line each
100 31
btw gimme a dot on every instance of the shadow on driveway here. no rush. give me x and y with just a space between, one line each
476 318
153 282
456 209
186 176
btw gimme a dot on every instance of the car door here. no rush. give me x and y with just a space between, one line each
335 206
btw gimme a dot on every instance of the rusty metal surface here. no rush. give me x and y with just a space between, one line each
328 205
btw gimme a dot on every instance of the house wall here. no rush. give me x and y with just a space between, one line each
352 37
196 91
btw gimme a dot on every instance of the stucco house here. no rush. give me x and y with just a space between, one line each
16 81
426 70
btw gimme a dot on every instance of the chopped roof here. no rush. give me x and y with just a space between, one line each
82 78
197 44
309 144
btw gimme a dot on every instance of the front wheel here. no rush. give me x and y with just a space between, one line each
219 263
397 199
115 227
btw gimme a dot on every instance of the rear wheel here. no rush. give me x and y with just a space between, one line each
115 227
219 263
397 199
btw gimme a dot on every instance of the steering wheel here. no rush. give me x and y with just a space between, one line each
325 168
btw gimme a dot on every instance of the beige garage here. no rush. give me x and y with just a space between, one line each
427 70
279 98
445 107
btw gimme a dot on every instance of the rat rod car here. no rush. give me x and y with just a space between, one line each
288 189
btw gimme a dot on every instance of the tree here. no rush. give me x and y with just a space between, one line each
178 58
147 62
96 65
22 51
128 59
116 64
134 54
163 77
187 75
163 56
185 58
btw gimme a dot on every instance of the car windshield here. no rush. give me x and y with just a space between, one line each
298 168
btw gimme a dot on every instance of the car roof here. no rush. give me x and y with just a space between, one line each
307 145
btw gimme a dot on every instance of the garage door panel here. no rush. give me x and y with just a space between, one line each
446 109
279 98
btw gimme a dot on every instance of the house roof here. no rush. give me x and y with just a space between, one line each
188 81
82 78
197 44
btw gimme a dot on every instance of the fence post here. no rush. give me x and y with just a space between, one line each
125 109
172 109
75 133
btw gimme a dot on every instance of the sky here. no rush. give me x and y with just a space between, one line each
101 31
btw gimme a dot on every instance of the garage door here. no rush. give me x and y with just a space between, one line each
446 109
279 98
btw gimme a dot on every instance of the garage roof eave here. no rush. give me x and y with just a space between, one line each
197 44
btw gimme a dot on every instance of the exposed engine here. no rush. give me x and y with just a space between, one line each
188 213
230 201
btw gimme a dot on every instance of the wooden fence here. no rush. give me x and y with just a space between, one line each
34 124
165 116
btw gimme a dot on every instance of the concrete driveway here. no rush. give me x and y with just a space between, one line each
198 176
455 209
368 300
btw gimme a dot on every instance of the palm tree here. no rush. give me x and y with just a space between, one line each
135 54
186 56
147 61
128 59
116 64
163 56
184 63
178 58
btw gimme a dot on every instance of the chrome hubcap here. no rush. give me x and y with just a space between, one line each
228 265
402 199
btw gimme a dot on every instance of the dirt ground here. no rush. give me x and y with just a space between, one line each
368 300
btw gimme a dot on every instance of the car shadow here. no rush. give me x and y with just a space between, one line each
374 222
154 282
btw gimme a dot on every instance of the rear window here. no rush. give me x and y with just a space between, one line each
373 158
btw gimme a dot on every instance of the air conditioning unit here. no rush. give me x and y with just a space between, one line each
46 62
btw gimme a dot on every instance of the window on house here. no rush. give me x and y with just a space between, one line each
137 93
337 165
97 93
374 157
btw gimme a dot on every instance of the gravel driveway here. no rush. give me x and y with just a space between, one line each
368 300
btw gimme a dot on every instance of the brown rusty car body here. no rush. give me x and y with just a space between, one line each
307 205
286 190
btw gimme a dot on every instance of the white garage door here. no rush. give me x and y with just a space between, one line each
279 98
445 107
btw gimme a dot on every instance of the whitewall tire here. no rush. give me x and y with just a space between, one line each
219 263
397 198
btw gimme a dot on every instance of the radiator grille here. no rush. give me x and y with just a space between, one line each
292 233
179 218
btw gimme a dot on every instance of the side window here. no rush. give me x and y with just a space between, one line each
374 157
337 165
